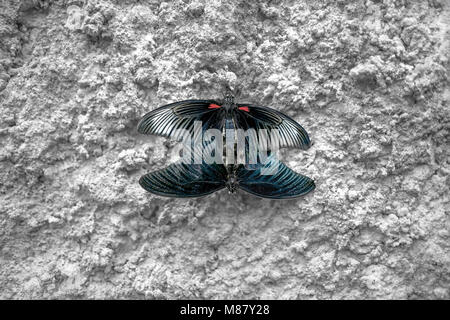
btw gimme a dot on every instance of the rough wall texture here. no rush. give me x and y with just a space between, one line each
367 79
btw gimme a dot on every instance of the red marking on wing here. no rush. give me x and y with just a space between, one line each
244 109
214 106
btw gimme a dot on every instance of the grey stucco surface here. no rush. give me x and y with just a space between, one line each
367 79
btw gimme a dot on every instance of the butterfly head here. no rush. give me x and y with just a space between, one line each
228 101
229 97
231 184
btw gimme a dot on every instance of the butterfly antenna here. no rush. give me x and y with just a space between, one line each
238 92
228 90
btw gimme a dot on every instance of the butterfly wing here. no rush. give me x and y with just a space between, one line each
172 119
273 179
291 134
185 180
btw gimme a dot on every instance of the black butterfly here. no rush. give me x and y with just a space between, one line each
167 120
194 180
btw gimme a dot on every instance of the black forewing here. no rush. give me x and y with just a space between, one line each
273 179
185 180
170 120
291 134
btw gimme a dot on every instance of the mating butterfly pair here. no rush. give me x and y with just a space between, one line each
182 179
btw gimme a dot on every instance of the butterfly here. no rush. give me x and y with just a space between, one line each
184 180
187 179
173 119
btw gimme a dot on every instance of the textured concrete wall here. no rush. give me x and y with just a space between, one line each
367 79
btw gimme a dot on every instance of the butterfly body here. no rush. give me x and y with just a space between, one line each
231 182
